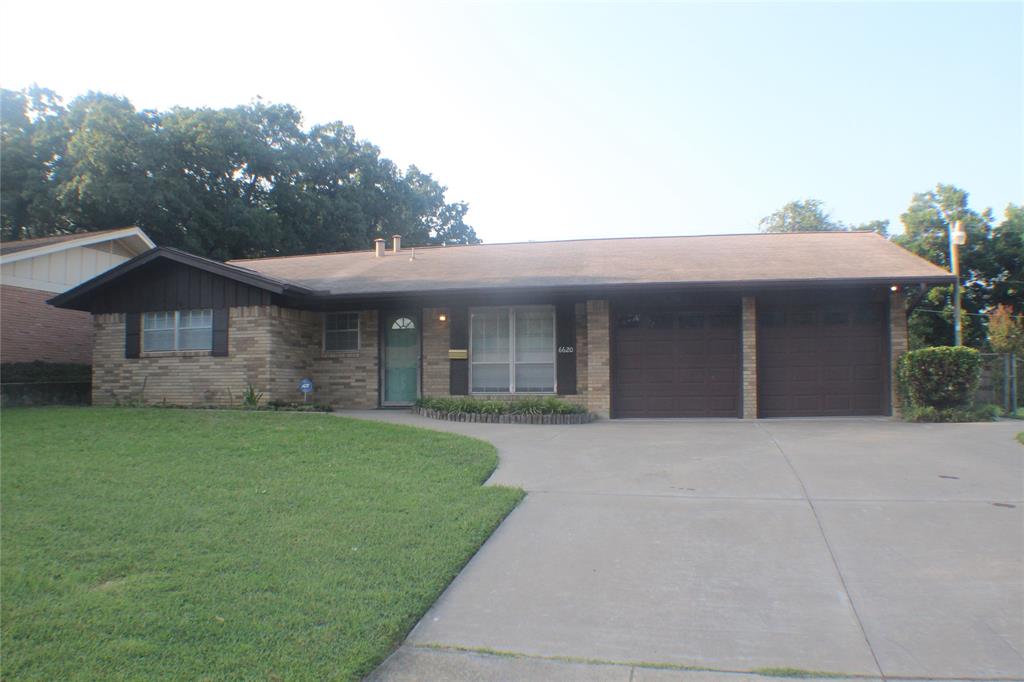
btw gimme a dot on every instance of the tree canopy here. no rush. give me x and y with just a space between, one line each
809 215
991 262
223 183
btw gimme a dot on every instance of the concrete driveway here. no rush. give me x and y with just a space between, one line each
863 547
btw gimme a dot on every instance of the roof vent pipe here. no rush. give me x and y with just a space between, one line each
378 247
396 243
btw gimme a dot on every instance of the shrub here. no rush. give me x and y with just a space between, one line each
459 405
940 377
44 372
926 413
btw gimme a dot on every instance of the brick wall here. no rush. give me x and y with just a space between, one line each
898 341
598 393
189 378
269 347
32 330
436 366
581 350
352 378
343 379
749 331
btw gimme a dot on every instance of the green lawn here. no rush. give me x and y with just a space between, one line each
162 543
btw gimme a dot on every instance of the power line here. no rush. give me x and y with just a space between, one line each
963 312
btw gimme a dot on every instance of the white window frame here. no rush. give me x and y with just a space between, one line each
511 312
177 331
358 330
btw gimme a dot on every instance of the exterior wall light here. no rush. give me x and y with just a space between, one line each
443 316
894 288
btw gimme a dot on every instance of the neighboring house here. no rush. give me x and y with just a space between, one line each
721 326
33 270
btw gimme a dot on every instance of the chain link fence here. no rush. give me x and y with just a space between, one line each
999 381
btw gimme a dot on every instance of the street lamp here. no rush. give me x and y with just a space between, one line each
957 238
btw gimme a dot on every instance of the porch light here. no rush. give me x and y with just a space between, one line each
894 288
443 316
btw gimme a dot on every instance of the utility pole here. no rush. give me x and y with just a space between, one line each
957 238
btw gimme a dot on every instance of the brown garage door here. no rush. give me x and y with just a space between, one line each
822 360
676 362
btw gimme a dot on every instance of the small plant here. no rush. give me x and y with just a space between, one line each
251 398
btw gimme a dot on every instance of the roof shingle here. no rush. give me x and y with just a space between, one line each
722 259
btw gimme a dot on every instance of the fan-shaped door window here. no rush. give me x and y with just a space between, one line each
403 323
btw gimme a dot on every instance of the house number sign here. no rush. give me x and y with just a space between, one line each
566 349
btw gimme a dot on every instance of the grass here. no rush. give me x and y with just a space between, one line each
149 543
1020 437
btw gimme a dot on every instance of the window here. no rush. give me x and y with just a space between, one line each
403 323
512 350
341 331
177 330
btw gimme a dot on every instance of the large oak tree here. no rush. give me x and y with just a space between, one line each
223 183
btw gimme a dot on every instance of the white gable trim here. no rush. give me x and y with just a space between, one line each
129 233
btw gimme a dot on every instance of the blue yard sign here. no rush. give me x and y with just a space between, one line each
306 386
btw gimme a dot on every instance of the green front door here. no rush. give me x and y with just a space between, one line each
401 359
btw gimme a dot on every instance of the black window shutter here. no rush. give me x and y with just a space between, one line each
458 375
220 331
132 335
565 342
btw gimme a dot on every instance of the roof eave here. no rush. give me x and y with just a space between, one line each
903 280
128 233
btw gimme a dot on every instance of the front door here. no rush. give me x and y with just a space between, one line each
401 359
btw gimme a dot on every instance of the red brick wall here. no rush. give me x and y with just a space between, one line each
32 330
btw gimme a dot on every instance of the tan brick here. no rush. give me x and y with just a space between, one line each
598 394
749 327
436 338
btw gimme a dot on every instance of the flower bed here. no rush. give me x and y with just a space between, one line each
548 410
481 418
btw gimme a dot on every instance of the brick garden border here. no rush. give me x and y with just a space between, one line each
475 418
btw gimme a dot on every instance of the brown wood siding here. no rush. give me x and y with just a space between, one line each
822 359
675 361
165 285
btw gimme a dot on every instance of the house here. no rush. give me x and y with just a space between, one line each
750 325
33 270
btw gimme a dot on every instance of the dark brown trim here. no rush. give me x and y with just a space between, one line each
132 335
220 332
79 297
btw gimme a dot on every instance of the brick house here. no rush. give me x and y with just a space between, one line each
756 325
33 270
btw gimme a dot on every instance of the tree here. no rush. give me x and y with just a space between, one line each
1006 330
809 216
223 183
989 257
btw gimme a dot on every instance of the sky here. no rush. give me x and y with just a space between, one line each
578 120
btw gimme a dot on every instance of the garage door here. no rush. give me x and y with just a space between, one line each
822 360
676 362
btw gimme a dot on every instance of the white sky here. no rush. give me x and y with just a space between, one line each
582 120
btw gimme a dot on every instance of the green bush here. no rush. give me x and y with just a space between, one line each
456 405
940 377
44 372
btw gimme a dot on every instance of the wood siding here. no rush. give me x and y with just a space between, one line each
164 285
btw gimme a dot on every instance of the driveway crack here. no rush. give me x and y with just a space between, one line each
828 546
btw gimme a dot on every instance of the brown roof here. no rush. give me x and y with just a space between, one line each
815 257
9 247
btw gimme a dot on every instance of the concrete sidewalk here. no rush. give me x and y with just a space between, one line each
863 547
